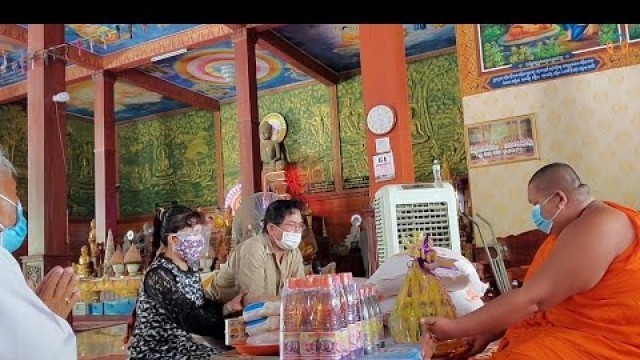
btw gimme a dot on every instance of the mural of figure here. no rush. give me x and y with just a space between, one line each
162 161
272 152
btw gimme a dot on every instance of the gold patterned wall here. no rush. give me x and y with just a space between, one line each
355 168
436 110
167 158
308 142
80 164
13 138
230 145
589 121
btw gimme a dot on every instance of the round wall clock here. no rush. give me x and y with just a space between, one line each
381 119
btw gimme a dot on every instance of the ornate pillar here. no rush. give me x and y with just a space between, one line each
244 42
106 170
384 81
46 141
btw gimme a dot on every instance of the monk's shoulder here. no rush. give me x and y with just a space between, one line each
604 221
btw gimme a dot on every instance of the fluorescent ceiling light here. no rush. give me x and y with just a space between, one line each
168 55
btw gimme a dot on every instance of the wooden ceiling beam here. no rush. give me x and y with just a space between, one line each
200 36
264 27
17 35
13 92
169 90
281 48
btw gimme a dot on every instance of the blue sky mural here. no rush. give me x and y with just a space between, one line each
131 102
204 71
338 45
105 39
12 70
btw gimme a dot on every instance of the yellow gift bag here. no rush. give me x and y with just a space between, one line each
422 293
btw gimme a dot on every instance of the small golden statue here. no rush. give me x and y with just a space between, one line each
272 152
83 268
93 240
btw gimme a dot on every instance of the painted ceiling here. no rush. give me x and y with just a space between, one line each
203 69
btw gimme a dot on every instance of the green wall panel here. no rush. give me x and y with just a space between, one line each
436 109
167 158
79 156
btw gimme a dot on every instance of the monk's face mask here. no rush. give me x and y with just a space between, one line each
541 223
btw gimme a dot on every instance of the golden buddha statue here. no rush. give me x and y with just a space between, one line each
93 240
83 267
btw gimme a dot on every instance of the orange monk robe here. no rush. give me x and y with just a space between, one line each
601 323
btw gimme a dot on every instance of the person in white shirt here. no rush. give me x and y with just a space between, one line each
33 320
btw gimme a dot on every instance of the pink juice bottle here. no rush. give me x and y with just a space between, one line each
290 319
326 319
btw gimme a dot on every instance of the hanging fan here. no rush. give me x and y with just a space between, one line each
247 221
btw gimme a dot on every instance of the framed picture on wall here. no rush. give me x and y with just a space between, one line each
502 141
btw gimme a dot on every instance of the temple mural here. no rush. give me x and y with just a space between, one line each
307 143
80 162
436 110
230 149
355 170
167 158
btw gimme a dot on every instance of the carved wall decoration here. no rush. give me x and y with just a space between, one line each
355 168
230 149
13 135
167 158
436 111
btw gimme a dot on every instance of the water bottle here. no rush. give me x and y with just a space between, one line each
437 178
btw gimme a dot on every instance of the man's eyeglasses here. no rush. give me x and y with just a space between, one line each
294 226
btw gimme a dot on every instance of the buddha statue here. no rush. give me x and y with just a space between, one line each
83 267
93 240
272 152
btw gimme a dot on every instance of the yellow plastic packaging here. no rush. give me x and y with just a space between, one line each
422 294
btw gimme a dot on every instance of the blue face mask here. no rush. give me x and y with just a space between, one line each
541 223
13 237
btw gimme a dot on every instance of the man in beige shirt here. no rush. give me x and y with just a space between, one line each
261 264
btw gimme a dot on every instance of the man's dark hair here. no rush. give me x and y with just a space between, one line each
278 210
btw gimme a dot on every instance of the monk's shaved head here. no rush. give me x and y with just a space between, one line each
554 177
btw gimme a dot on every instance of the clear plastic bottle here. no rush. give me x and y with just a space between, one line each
375 299
308 333
326 319
367 320
346 280
291 314
344 331
437 176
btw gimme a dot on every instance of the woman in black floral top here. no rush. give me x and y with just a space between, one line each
172 305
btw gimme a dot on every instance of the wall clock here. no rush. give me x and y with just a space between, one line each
381 119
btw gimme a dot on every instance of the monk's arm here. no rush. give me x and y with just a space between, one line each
578 261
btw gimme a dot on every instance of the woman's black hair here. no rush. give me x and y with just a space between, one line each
170 221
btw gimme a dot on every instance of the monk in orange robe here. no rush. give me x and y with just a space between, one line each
581 296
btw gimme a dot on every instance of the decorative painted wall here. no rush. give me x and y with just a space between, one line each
80 162
13 138
308 142
588 121
355 169
230 146
436 110
165 159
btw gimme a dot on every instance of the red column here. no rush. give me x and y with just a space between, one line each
46 141
384 81
244 42
106 170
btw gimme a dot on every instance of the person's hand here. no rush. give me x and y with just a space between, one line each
237 303
477 344
58 290
442 328
428 345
